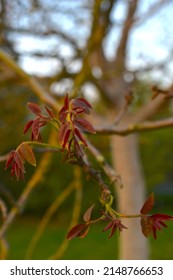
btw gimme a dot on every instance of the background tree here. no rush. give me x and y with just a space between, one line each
47 34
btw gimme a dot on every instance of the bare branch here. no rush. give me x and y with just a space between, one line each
31 82
135 127
121 50
7 195
75 216
3 158
95 175
150 109
109 171
42 34
128 98
94 54
47 217
151 11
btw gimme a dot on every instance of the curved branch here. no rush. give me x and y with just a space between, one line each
46 218
30 81
75 216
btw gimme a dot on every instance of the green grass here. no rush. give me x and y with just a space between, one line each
95 246
162 247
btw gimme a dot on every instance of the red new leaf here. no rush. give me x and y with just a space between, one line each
84 125
84 233
80 136
64 110
148 205
152 224
62 131
50 112
81 105
17 165
36 128
10 159
19 162
71 124
114 224
34 108
77 231
66 102
27 126
84 102
37 124
66 138
15 170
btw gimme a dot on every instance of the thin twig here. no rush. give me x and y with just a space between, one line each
3 210
75 215
95 175
46 218
109 171
128 99
3 158
7 195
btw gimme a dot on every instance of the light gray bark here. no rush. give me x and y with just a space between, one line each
126 159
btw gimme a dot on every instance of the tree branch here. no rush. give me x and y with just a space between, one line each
109 171
31 82
47 217
121 49
135 127
151 11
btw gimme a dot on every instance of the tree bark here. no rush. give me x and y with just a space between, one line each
126 159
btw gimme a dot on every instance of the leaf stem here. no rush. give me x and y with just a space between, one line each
40 144
112 211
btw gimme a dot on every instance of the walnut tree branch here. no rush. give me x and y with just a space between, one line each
135 127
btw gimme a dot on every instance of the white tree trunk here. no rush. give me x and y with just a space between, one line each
125 154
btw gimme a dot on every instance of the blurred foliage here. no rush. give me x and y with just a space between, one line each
39 20
13 114
156 152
